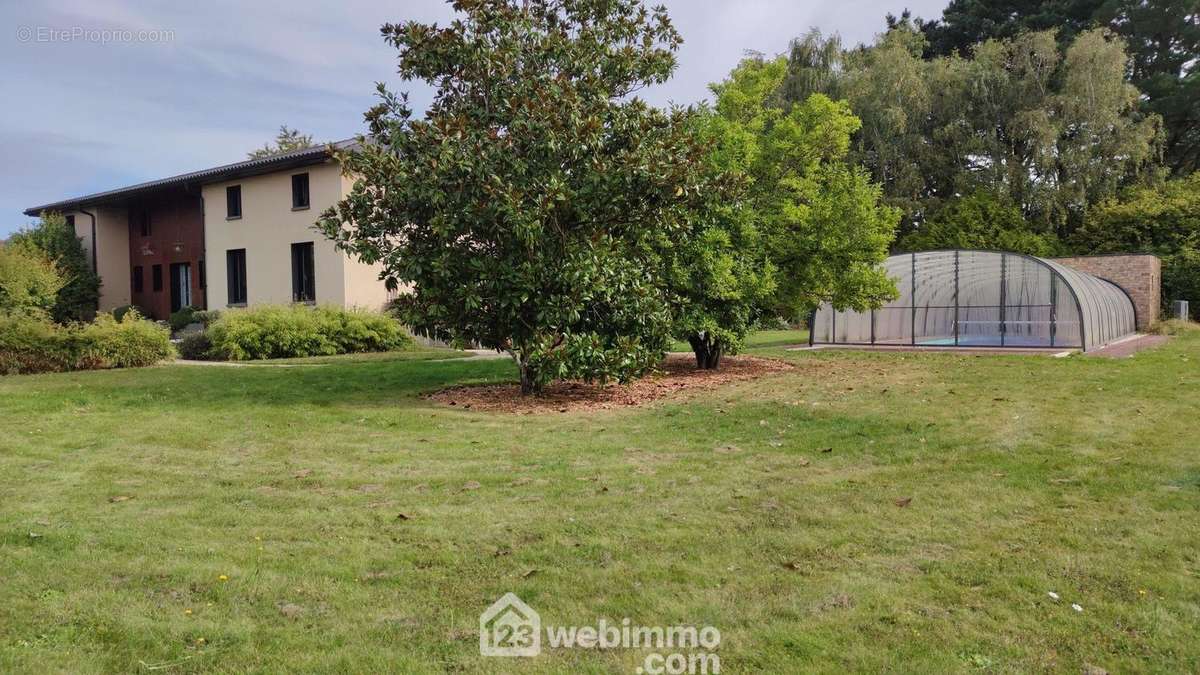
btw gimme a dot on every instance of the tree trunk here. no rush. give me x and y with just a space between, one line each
529 378
708 352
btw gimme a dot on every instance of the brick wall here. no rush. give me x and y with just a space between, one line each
1140 276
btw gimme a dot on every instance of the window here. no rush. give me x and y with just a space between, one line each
304 287
235 271
156 274
139 283
203 275
71 222
300 191
233 202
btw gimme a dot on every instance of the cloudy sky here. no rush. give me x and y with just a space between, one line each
220 76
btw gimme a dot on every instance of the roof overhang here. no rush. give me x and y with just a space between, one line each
250 167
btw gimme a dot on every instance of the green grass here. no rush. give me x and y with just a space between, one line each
1027 474
763 338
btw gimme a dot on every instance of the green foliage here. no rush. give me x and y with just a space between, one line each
120 312
206 316
1162 219
981 221
269 332
1054 131
30 344
195 347
1162 37
29 281
129 343
718 272
1181 278
527 209
286 141
181 319
80 293
824 229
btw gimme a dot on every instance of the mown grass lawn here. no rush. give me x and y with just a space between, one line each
196 519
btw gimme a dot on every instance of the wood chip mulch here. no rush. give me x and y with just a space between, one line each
676 375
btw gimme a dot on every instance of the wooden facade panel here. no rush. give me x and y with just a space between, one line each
167 231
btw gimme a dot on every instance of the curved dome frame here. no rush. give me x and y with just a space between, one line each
972 298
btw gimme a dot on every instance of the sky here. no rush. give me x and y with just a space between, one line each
100 94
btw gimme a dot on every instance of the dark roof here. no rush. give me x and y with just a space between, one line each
250 167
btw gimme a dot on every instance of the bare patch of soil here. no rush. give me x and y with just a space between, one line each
676 375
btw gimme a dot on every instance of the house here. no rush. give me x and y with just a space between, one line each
230 236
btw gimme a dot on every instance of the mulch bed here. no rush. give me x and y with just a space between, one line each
677 374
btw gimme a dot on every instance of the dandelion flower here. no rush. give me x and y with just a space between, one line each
223 578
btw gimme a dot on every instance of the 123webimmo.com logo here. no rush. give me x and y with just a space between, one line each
509 627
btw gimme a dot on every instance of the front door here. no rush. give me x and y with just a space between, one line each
181 286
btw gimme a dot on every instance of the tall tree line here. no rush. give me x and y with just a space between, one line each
1162 38
1050 129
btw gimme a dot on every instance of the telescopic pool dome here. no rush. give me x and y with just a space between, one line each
968 298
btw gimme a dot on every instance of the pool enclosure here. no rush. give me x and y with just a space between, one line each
984 299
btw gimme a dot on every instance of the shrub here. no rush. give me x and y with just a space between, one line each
1174 327
195 347
29 281
133 342
56 240
32 344
207 316
120 313
281 332
181 319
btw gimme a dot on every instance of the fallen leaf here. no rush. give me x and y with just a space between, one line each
528 573
903 501
403 516
827 450
302 473
119 498
471 485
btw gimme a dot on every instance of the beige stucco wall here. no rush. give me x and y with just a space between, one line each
112 252
363 287
267 229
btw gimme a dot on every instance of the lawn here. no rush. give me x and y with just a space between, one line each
327 518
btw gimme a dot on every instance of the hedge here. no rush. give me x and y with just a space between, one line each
272 332
31 344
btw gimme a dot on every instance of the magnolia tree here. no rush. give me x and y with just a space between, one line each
527 211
